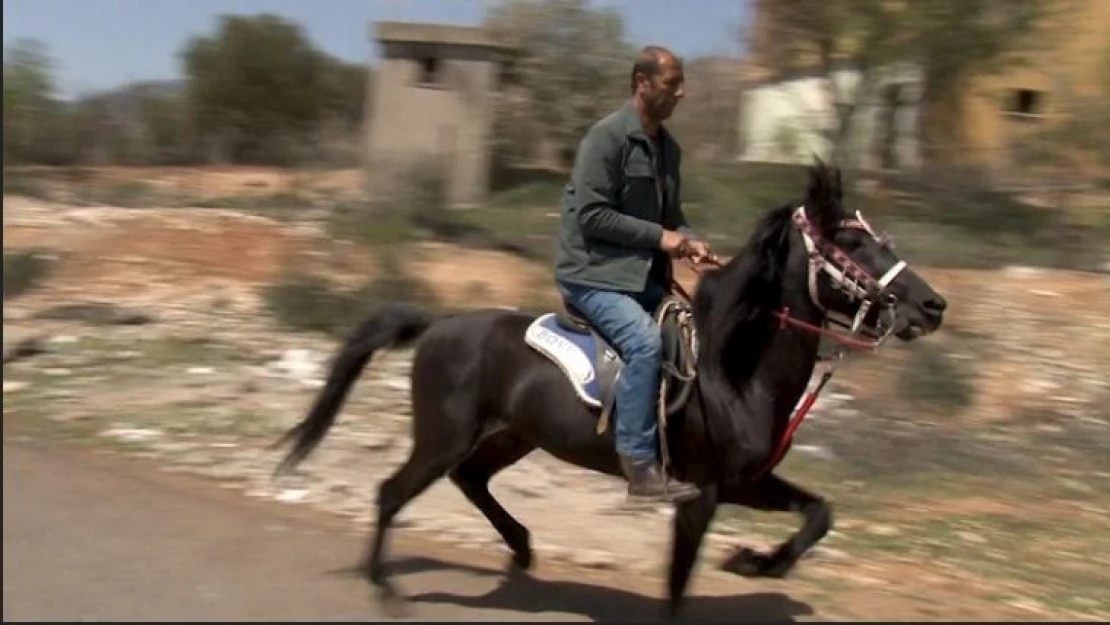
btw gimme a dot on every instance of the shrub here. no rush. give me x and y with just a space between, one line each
308 302
24 270
935 377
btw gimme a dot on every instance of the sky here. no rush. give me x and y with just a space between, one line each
101 44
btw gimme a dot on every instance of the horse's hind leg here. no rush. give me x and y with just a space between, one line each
472 476
439 442
774 494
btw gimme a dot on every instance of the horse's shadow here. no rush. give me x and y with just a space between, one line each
520 592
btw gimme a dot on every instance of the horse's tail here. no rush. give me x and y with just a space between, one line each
394 325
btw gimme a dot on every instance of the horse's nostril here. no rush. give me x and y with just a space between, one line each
936 305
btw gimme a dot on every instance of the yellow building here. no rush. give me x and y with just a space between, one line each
1002 112
1000 118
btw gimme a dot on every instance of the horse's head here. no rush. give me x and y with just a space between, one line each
854 276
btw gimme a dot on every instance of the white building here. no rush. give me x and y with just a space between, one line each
785 119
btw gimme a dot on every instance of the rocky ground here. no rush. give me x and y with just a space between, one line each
151 338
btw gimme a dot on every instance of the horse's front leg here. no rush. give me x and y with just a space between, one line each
774 494
691 521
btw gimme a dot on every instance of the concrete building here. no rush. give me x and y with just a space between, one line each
431 106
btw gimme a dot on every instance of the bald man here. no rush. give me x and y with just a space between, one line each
621 225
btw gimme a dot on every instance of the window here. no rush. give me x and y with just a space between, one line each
508 73
1025 103
428 71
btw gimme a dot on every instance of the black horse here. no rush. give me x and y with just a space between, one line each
482 398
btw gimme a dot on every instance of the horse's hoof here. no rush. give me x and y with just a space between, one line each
393 605
747 562
521 561
671 610
776 570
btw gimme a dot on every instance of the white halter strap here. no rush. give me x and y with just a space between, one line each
819 263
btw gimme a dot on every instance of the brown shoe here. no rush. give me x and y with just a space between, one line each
648 483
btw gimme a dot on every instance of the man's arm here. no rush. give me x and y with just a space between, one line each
596 183
675 219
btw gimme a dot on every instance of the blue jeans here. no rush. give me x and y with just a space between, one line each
626 321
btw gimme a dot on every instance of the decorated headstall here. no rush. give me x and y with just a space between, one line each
848 276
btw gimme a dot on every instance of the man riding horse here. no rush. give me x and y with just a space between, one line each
490 386
621 224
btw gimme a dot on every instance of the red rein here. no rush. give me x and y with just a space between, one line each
784 316
811 398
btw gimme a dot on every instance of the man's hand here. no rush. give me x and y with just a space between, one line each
699 252
674 243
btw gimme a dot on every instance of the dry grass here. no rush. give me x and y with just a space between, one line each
206 182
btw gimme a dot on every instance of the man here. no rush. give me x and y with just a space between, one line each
621 224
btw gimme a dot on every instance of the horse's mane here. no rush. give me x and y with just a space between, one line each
733 309
732 305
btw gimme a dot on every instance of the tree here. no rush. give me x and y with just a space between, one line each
258 87
950 41
705 120
344 88
30 107
164 125
570 66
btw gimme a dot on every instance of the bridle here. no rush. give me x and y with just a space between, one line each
848 277
845 275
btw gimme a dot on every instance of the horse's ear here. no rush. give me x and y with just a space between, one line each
824 195
817 179
836 192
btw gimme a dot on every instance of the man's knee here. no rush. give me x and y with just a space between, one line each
645 342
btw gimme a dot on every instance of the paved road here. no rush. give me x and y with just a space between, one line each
89 537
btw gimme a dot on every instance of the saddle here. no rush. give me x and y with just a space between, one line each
593 366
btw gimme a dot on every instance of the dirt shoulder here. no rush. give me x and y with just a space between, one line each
91 535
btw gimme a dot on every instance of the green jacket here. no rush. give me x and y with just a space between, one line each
614 213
